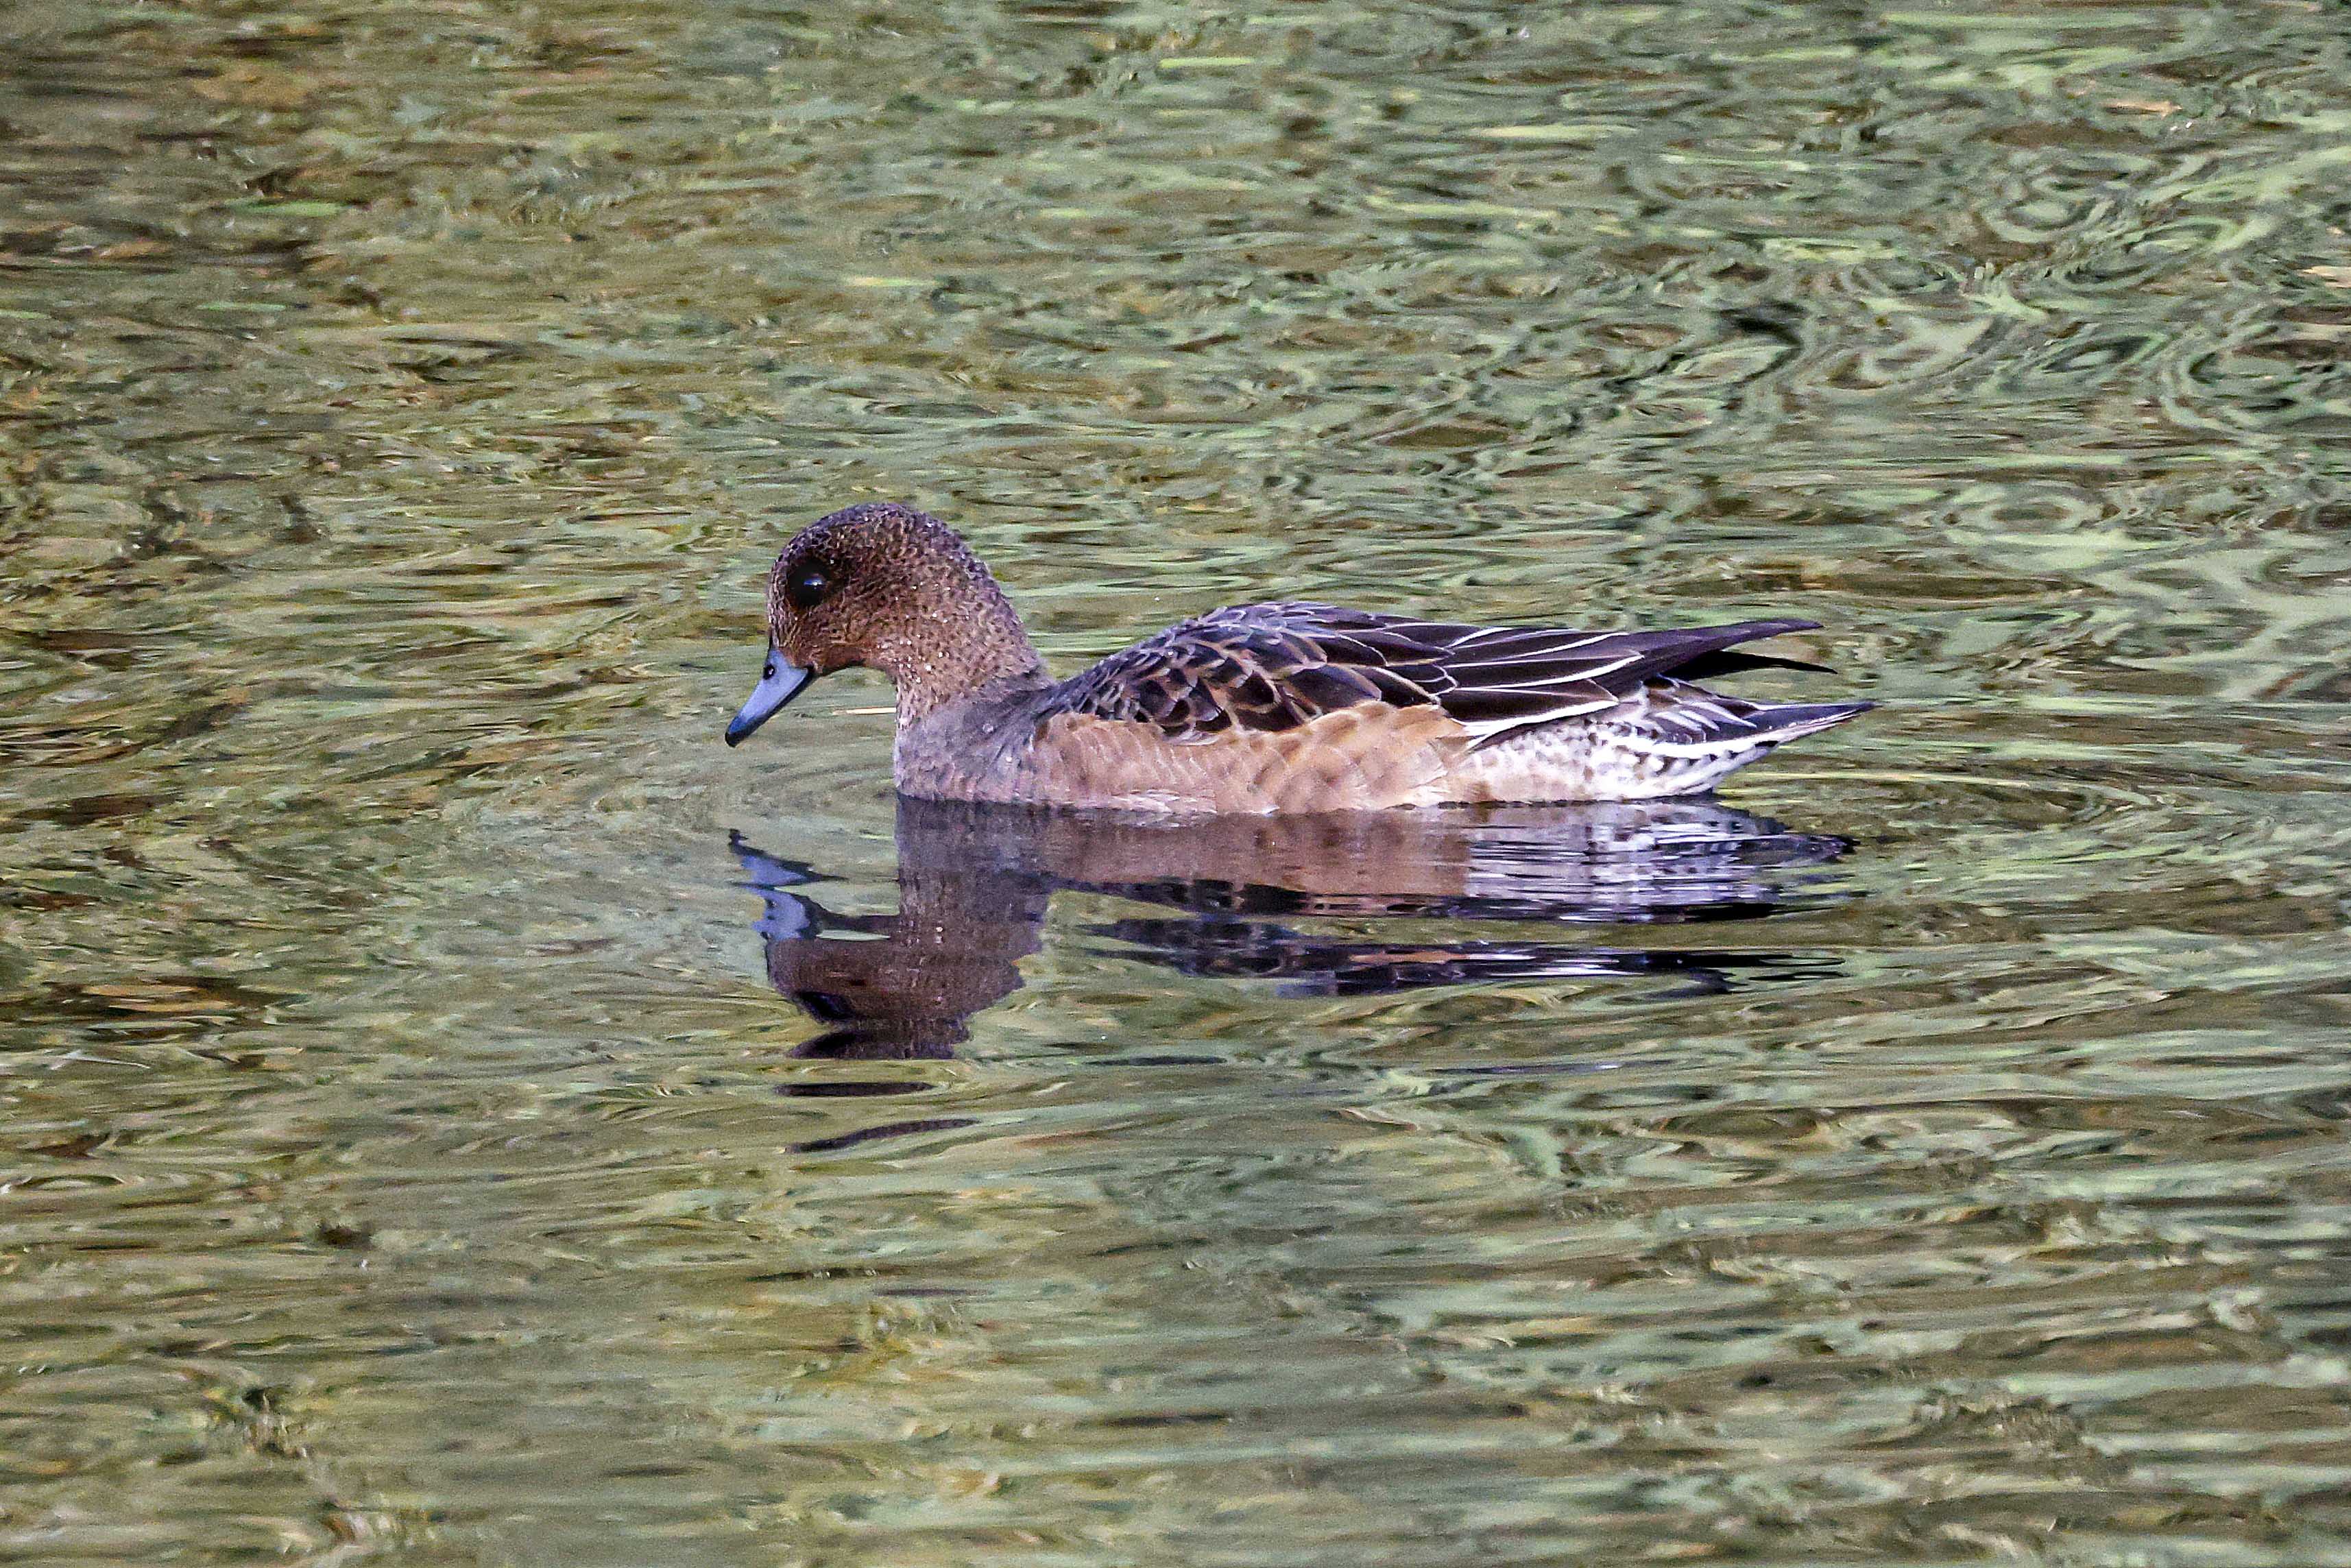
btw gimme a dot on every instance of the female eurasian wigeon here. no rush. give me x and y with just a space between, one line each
1258 708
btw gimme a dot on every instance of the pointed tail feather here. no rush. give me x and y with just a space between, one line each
1709 667
1776 722
1695 723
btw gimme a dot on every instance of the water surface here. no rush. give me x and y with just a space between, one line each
452 1110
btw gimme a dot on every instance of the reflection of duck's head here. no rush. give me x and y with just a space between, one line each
974 882
896 985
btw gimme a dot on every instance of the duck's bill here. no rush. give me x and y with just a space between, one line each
779 683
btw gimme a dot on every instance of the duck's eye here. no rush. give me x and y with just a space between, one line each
806 587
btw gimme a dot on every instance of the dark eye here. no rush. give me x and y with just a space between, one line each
807 587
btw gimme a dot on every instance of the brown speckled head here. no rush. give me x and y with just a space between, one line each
892 588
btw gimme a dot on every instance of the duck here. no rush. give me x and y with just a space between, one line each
1273 708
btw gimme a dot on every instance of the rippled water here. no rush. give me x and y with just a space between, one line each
452 1110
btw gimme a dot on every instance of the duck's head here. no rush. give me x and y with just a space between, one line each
891 588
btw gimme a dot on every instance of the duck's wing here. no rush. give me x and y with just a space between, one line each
1278 666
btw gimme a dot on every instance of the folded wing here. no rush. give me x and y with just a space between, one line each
1276 667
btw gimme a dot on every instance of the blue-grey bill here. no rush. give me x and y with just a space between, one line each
779 683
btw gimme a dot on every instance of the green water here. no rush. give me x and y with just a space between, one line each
454 1111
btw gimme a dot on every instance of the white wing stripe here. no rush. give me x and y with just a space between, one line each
1463 681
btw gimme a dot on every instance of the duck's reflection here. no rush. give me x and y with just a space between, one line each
974 883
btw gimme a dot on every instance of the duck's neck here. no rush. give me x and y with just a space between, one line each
979 644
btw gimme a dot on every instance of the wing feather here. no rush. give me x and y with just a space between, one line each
1278 666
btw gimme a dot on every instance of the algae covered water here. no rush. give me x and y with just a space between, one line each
453 1110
